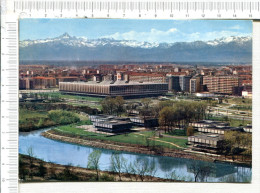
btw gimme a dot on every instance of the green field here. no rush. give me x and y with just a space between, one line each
25 114
35 119
131 138
30 120
177 132
76 97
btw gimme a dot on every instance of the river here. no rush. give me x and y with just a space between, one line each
65 153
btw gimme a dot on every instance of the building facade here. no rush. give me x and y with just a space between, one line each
221 84
178 83
117 88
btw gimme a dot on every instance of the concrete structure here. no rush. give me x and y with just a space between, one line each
147 122
207 143
219 129
37 82
248 129
117 88
204 94
111 124
207 123
185 83
146 77
66 79
247 94
195 84
221 84
173 83
178 83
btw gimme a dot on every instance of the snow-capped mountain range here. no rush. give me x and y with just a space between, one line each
66 39
229 49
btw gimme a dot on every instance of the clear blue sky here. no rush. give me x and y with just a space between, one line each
140 30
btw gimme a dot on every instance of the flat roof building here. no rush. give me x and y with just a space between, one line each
111 124
248 129
208 143
207 123
218 129
114 88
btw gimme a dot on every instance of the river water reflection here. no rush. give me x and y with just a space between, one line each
77 155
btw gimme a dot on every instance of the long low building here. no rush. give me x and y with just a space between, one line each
111 124
208 143
207 123
117 88
218 129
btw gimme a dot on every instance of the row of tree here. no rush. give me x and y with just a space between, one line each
236 144
113 106
180 114
139 169
146 169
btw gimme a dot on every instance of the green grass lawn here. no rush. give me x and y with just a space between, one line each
76 97
97 106
35 119
242 107
177 132
131 138
25 114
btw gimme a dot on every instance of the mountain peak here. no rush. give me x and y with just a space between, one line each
65 35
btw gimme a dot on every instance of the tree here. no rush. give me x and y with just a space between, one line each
117 163
31 159
42 170
108 105
31 155
200 170
22 168
239 143
144 167
190 131
224 147
181 114
113 106
119 105
93 161
146 109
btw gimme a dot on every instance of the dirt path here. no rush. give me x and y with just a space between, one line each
154 139
134 148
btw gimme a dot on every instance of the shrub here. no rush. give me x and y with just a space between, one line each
63 117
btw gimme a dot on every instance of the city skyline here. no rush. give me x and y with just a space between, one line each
159 31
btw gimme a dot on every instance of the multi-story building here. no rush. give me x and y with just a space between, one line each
185 83
195 84
179 83
114 88
43 82
25 83
146 77
37 83
221 84
66 79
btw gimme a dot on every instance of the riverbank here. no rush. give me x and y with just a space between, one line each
134 148
35 170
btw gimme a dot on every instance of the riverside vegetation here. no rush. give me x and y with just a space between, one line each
33 116
32 169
